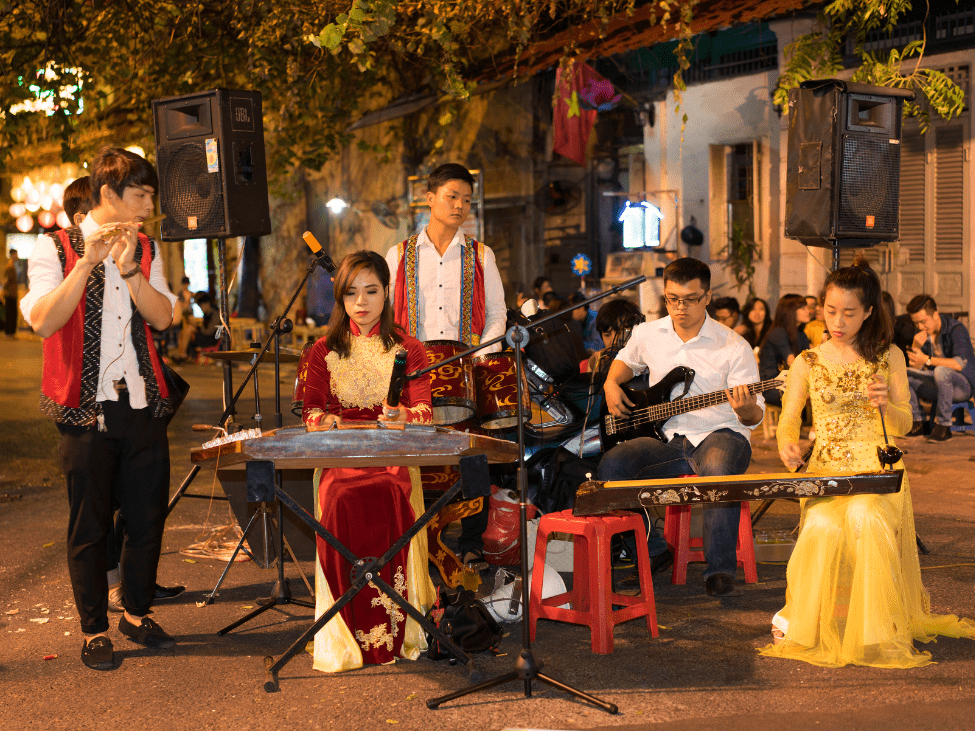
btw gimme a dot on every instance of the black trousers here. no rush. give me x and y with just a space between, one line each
130 462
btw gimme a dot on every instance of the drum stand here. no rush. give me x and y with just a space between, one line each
527 668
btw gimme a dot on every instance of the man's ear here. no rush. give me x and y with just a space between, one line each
108 194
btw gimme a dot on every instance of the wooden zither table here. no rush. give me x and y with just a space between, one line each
360 444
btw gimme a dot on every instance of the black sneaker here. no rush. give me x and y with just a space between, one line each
97 654
147 633
939 433
661 562
916 430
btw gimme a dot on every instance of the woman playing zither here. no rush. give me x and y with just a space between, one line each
367 508
854 593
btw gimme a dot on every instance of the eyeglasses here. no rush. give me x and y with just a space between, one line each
684 301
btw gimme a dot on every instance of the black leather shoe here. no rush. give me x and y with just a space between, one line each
97 654
474 560
116 602
168 592
147 633
661 562
916 430
721 585
939 433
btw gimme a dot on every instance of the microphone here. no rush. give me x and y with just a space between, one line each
396 382
321 258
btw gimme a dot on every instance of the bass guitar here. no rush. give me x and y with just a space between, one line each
654 406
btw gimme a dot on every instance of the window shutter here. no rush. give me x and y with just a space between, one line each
912 196
948 194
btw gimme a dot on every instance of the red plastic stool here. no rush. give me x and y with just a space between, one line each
592 596
677 533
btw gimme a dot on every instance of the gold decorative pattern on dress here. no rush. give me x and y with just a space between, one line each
379 635
851 421
361 380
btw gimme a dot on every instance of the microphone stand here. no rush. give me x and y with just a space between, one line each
281 325
281 594
527 667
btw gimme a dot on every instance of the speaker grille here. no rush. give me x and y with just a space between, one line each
869 187
191 192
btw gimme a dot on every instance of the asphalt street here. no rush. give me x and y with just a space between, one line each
703 672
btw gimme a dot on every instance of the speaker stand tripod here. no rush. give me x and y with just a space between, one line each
281 593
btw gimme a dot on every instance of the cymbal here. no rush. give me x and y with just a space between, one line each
246 356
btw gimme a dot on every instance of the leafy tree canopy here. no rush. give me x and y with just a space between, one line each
124 54
319 64
818 55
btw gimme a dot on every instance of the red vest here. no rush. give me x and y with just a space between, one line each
472 300
69 381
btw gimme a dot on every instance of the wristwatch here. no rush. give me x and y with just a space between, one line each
927 363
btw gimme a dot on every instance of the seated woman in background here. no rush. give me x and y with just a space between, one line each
783 341
755 321
367 508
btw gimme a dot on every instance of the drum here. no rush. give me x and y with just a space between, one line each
298 398
496 386
451 385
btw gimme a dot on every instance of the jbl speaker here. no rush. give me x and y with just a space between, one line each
211 165
843 167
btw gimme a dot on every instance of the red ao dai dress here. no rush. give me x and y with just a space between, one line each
368 509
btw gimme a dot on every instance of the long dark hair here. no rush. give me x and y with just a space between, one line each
338 336
877 331
785 317
756 338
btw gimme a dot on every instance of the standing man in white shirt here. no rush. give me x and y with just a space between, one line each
709 441
446 286
95 291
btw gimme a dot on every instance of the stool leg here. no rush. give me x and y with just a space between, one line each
601 590
746 545
538 577
682 550
646 585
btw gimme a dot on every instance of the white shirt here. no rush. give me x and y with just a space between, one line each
118 358
439 290
720 358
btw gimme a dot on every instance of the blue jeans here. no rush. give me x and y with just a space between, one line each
942 386
723 452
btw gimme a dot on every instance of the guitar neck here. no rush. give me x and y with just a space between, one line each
667 409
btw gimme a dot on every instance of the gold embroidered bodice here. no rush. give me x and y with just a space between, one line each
848 428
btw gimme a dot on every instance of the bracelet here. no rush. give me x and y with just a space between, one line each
129 274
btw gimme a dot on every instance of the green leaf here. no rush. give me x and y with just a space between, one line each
331 36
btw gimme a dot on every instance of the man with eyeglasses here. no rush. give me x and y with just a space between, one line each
706 442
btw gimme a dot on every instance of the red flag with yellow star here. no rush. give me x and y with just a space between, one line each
579 92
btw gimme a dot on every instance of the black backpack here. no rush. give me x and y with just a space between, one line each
554 475
465 620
